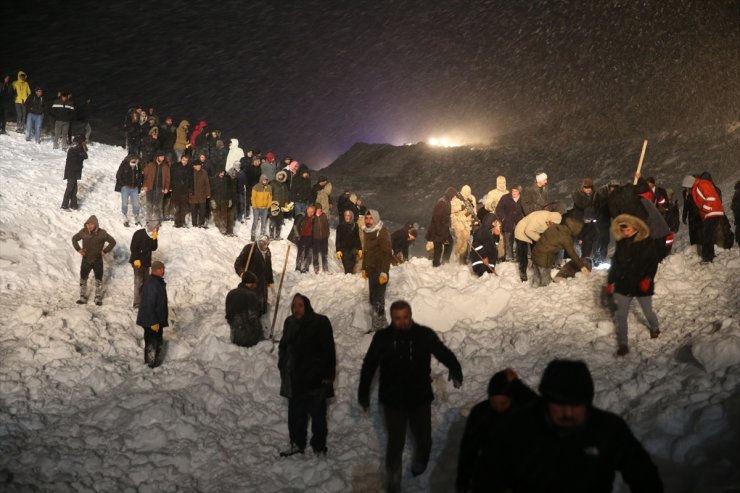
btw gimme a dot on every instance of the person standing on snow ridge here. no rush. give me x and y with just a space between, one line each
307 362
36 106
376 265
535 197
404 352
708 199
462 220
96 242
22 91
153 314
509 211
261 200
6 95
347 242
73 171
143 243
439 228
156 183
631 274
63 112
320 233
128 181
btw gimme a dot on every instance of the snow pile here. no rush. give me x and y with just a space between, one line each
79 410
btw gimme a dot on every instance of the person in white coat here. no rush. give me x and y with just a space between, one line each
233 158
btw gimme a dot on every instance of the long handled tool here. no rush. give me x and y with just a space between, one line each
639 165
249 258
493 271
280 289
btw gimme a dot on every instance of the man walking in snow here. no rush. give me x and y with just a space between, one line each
307 363
376 264
96 242
143 243
404 352
153 314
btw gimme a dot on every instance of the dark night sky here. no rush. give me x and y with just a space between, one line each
310 78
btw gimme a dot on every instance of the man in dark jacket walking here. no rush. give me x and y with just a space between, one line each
73 171
404 352
96 242
243 312
307 363
564 443
153 314
439 228
143 243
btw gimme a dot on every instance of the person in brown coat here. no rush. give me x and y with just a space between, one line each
199 198
156 184
96 242
376 264
439 229
320 233
557 237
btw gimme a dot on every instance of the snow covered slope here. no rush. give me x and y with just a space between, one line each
79 410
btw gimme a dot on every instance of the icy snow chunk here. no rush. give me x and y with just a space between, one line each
28 314
716 352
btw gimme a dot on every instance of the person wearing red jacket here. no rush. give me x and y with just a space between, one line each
708 199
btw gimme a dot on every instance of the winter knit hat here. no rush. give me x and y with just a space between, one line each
248 278
541 176
567 382
642 186
501 183
688 181
157 265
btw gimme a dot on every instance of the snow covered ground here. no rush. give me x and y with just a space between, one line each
79 410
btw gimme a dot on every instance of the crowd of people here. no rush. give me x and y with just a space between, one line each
171 173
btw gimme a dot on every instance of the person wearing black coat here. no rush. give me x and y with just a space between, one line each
562 443
73 171
626 200
603 221
223 190
181 185
143 243
300 191
6 96
484 253
404 351
347 242
401 241
307 364
631 274
243 312
153 314
487 422
509 211
584 208
129 179
690 214
167 137
259 257
439 228
36 106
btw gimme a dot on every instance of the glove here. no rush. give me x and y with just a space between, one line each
229 205
269 286
364 274
137 263
155 327
585 270
609 289
645 285
456 379
213 204
383 279
359 253
154 235
339 255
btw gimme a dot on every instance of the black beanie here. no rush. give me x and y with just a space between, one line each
642 186
499 384
567 382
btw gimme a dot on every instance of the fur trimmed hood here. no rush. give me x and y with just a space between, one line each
643 231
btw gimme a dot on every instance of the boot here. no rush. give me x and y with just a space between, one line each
623 350
125 220
83 292
137 221
292 450
98 292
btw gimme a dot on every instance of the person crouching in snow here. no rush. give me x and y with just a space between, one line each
96 242
556 238
632 274
143 243
307 362
243 312
485 245
153 314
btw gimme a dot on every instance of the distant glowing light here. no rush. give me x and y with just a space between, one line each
443 142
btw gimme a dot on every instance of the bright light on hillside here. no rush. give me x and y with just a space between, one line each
443 142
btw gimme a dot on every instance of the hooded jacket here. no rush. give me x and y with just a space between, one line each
533 225
707 197
307 354
556 238
233 158
461 218
261 194
634 258
323 195
378 250
493 197
181 140
94 243
127 175
21 88
199 128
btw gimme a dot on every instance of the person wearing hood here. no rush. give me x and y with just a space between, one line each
708 199
233 158
279 204
257 258
261 200
223 191
143 243
181 138
150 145
493 197
155 185
22 91
243 312
323 189
300 190
462 220
96 243
404 353
181 178
347 242
153 314
486 424
129 178
197 138
376 265
509 210
555 239
528 231
269 167
485 246
632 275
562 442
307 362
439 228
36 107
76 155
